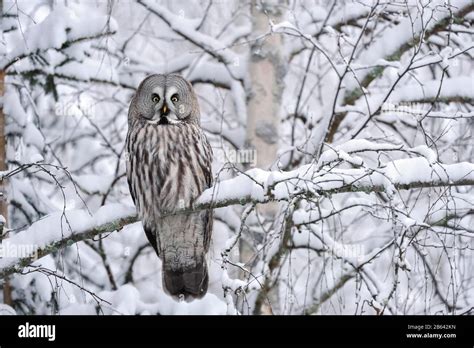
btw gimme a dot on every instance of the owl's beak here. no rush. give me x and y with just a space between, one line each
164 110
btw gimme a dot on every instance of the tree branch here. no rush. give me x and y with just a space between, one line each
59 230
9 61
352 95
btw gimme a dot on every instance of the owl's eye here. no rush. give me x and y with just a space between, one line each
174 98
155 98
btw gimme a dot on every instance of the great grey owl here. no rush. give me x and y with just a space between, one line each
168 167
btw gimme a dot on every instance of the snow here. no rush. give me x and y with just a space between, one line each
414 170
59 225
357 145
426 152
275 28
209 305
205 69
13 107
449 55
328 29
124 301
93 184
254 184
445 55
451 87
351 11
185 28
342 151
32 136
87 70
112 212
403 32
386 63
232 284
35 158
6 310
62 25
239 100
408 222
237 188
79 309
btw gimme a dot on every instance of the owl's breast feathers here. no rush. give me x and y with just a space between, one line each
169 166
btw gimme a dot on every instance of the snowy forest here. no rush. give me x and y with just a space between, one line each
343 165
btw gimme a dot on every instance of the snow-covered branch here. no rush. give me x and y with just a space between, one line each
184 28
393 44
64 29
59 230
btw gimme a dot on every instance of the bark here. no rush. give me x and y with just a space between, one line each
266 74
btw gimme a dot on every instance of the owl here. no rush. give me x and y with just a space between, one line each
168 167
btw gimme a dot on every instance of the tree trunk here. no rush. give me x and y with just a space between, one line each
266 72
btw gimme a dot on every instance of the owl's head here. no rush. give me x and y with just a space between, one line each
166 100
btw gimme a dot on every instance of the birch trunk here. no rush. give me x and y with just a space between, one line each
266 72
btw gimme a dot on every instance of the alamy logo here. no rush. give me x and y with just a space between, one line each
32 331
8 249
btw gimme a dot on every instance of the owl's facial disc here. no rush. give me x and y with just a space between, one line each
170 109
162 114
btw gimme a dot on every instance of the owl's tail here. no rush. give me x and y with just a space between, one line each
189 284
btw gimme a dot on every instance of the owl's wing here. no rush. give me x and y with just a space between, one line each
151 236
149 231
208 216
132 191
207 165
208 221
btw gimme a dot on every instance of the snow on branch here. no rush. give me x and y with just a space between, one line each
408 34
399 39
260 186
58 230
61 29
450 90
233 72
184 28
